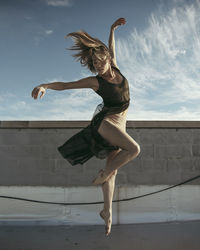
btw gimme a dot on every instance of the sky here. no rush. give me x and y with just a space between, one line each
158 51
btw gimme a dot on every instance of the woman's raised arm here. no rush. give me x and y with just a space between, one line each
111 42
88 82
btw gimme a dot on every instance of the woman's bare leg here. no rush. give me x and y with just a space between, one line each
108 191
117 137
106 214
129 149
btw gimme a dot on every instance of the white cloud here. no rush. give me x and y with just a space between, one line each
80 104
162 62
48 32
77 104
62 3
42 34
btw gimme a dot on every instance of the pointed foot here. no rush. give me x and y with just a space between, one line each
107 217
101 178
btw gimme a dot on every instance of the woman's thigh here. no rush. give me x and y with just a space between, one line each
116 136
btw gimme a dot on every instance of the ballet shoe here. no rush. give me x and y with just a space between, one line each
101 178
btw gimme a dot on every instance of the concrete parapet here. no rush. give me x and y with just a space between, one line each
29 156
32 167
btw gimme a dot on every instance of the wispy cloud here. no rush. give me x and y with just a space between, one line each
56 3
162 62
48 32
65 105
42 34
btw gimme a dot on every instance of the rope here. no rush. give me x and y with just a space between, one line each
100 202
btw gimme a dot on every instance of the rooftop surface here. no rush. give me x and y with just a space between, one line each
151 236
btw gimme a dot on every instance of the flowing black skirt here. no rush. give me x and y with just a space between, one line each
88 142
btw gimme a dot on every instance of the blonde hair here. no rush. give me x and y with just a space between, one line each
87 47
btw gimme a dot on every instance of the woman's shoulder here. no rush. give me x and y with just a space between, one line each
95 82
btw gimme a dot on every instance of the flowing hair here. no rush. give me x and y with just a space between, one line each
87 47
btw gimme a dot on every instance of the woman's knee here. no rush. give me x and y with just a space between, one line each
119 138
134 150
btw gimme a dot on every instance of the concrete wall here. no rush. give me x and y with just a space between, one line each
170 153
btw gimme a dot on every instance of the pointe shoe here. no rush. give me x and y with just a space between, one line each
101 178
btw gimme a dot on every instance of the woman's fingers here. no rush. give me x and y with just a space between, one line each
36 91
119 21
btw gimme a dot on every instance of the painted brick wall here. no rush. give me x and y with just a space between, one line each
170 153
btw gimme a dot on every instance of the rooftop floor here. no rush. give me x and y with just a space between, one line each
151 236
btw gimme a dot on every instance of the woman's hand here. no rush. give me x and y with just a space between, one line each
36 91
118 22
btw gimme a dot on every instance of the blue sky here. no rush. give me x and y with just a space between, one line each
158 50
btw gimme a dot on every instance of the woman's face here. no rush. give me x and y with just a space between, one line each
101 64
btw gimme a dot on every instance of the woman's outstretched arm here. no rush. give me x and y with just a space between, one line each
88 82
118 22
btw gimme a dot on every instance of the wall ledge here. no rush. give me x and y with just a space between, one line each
84 123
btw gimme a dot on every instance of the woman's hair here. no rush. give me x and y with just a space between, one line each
87 47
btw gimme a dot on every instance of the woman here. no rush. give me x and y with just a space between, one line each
106 135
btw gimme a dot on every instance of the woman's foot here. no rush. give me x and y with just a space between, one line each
107 217
101 178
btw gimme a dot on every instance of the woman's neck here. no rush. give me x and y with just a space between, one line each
109 74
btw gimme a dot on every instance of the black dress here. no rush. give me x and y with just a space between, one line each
88 142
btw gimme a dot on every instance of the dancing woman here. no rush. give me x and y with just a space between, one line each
106 135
